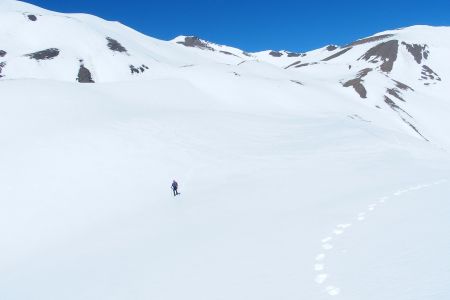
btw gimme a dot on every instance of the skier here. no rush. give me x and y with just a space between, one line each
175 188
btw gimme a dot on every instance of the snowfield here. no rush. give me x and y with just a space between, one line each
293 186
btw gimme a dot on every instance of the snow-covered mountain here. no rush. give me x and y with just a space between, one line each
302 175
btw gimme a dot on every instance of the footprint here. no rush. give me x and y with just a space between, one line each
320 257
319 267
327 246
338 231
321 278
361 216
344 226
333 291
327 239
383 199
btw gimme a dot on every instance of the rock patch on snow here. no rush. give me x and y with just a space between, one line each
195 42
227 53
84 75
275 53
44 54
295 54
114 45
385 52
429 75
369 40
2 53
403 86
337 54
356 83
2 65
332 47
138 70
32 18
418 51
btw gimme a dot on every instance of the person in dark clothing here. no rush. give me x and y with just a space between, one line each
175 188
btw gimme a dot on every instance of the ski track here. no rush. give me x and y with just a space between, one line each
339 230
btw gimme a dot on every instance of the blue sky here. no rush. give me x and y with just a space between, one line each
260 25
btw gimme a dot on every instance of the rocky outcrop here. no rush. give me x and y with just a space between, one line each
138 70
195 42
357 83
44 54
385 52
2 65
275 53
369 40
419 52
84 75
337 54
114 45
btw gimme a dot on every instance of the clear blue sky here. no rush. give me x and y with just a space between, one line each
260 25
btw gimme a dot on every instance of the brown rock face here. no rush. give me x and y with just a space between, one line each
44 54
357 83
385 52
369 40
115 45
419 52
337 54
195 42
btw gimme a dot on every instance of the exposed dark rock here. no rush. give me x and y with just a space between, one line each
399 110
195 42
247 54
394 106
357 83
428 74
187 66
369 40
386 52
337 54
403 86
306 64
32 18
275 53
138 70
332 47
3 53
2 65
395 93
134 69
359 118
84 75
237 74
363 73
115 45
295 54
297 82
228 53
44 54
418 51
293 64
358 86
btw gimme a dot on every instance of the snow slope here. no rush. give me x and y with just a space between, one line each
292 185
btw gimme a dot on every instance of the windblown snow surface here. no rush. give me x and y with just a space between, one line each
292 185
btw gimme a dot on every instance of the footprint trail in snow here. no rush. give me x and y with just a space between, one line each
339 231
